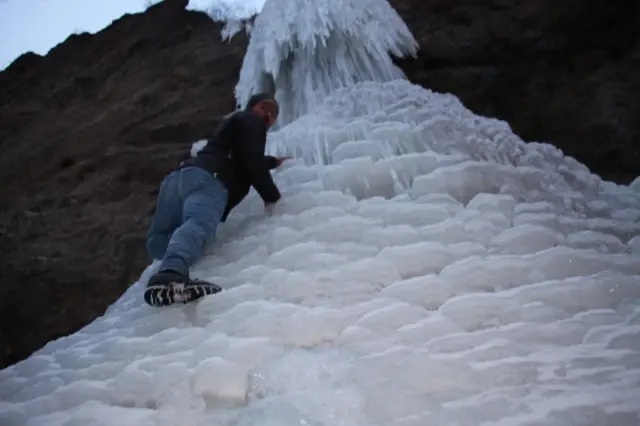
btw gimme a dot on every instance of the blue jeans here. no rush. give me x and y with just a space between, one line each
188 210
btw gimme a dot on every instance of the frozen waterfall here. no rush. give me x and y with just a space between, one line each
425 266
431 269
305 49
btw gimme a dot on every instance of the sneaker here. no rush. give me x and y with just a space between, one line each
168 287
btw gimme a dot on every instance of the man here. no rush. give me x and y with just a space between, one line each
198 195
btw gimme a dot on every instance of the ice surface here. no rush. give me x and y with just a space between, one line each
304 49
234 14
425 267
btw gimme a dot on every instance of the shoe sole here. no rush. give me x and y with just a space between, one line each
173 293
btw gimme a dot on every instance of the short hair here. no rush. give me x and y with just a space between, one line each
260 97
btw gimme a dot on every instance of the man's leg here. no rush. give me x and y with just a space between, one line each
166 217
204 203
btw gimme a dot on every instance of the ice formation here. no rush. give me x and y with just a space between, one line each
226 9
305 49
425 267
234 14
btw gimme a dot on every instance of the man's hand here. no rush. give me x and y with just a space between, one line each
269 207
280 160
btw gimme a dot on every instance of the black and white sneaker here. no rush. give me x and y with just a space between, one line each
168 287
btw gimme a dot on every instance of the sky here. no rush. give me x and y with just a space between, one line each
39 25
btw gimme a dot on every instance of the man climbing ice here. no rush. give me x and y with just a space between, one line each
194 198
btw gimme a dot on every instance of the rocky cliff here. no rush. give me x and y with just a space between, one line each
89 130
560 72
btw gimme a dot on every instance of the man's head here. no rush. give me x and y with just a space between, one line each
265 106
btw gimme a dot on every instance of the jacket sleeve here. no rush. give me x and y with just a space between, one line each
272 162
249 147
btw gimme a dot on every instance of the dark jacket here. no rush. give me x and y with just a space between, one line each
235 155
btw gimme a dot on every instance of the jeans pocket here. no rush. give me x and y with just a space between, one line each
193 179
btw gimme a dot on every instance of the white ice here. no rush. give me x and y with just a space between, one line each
222 10
424 267
306 49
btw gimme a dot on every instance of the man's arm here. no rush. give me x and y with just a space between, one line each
275 162
272 162
249 148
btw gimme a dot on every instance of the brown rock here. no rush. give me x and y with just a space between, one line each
88 131
566 72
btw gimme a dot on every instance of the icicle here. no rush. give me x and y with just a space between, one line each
236 16
307 49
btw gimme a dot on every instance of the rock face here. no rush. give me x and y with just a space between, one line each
565 72
88 132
